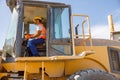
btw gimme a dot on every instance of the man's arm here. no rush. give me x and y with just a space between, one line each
36 34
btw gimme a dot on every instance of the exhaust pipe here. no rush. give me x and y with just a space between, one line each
111 26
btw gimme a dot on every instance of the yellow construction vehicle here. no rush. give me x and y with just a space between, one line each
68 53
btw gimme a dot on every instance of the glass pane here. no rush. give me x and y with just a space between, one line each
61 23
32 28
115 60
64 49
11 35
13 25
61 30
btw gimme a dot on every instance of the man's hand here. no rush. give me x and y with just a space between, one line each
36 34
27 36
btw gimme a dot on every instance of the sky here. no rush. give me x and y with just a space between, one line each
98 10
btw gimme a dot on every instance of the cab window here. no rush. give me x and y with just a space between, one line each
32 28
61 23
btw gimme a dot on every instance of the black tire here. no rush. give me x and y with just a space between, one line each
92 74
4 78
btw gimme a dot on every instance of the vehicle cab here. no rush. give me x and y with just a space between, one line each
57 16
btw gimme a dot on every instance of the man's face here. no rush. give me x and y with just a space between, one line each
36 22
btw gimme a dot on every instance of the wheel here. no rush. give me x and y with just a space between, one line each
92 74
4 78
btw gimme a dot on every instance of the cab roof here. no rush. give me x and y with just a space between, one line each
12 3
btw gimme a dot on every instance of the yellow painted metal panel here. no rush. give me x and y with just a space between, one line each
55 69
51 58
14 66
100 55
82 64
3 74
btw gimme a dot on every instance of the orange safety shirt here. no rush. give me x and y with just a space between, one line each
43 32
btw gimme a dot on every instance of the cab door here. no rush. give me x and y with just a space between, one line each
12 43
60 40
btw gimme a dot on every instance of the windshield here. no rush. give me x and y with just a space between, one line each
10 39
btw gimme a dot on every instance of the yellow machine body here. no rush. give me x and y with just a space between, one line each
64 55
59 67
